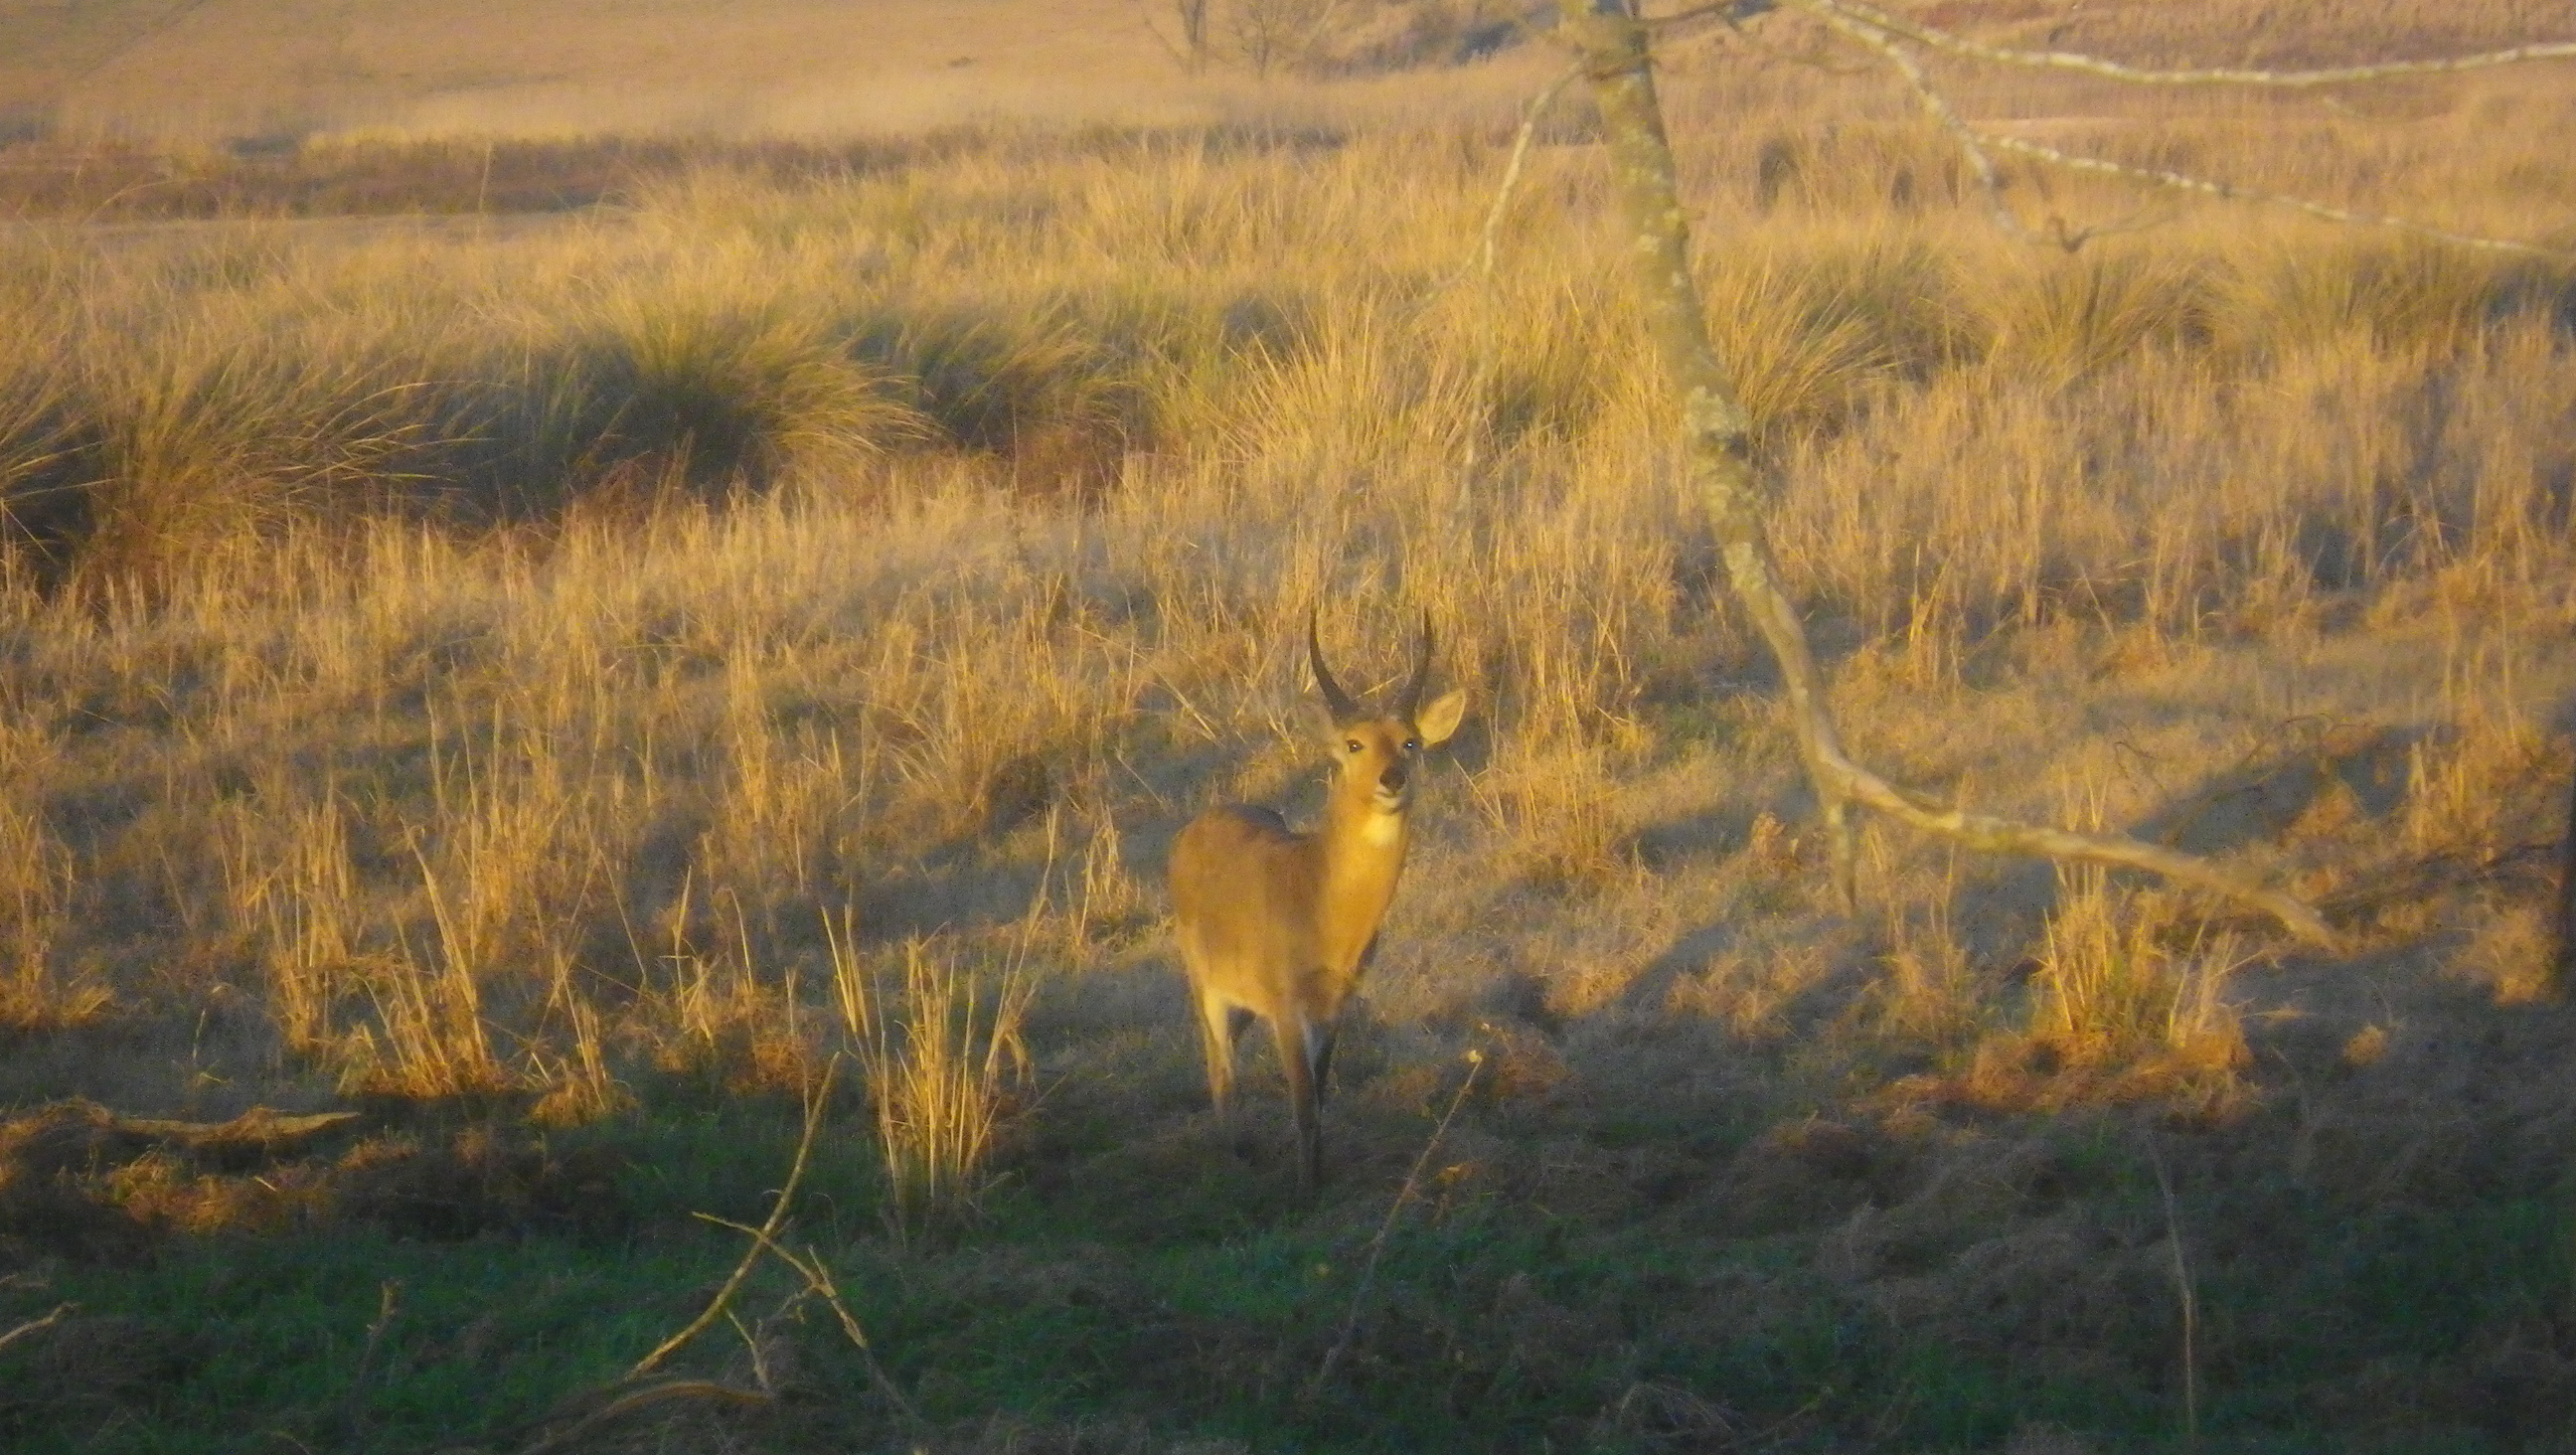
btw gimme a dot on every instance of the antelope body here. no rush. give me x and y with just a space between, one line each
1279 925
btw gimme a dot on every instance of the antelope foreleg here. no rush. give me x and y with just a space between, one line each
1305 1052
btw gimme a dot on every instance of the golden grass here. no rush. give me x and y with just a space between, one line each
945 1066
493 650
2111 988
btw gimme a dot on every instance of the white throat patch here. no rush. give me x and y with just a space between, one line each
1382 829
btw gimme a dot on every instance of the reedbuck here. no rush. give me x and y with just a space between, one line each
1278 924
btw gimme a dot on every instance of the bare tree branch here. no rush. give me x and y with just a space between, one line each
2185 182
1938 106
1989 834
814 1105
1863 26
1956 44
1719 460
818 1280
1538 106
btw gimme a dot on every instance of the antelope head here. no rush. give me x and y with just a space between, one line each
1374 753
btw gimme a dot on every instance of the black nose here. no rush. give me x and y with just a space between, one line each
1392 780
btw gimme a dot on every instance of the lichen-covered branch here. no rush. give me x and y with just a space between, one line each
1989 834
1717 440
1717 434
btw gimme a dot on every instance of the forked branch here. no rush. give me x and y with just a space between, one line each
1717 437
1951 41
818 1282
1879 31
1938 107
815 1103
575 1419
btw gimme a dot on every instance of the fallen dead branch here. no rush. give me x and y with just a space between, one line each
582 1414
818 1282
723 1299
37 1325
259 1128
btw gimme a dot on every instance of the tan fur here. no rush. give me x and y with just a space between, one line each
1278 924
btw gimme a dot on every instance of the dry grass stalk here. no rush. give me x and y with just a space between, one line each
2110 990
581 1087
2563 942
1931 989
944 1062
1557 806
436 1041
35 891
1404 1194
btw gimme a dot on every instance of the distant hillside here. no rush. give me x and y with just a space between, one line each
250 69
234 68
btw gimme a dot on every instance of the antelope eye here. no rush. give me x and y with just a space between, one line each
1353 744
1413 745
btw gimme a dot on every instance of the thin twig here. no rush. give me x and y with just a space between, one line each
1938 107
715 1308
2184 182
751 1348
353 1405
1957 44
1975 146
1538 106
1377 1245
818 1280
33 1326
2190 1302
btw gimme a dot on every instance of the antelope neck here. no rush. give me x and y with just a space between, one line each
1362 843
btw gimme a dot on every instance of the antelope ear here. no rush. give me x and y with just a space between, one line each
1440 719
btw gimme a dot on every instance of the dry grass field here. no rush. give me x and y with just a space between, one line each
555 617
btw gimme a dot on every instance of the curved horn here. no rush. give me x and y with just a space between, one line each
1412 699
1343 709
